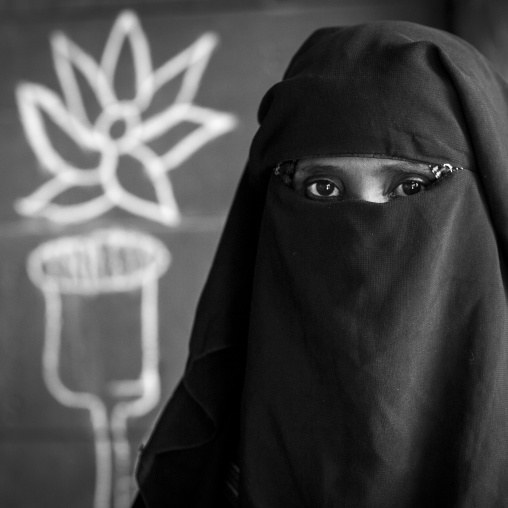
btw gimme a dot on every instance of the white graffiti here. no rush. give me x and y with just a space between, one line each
105 262
97 136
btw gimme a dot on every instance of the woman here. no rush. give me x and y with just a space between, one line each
350 347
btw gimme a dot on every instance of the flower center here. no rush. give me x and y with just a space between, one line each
118 128
117 121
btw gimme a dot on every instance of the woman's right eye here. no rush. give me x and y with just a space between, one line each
322 189
409 188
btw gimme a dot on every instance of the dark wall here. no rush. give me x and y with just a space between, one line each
435 9
99 276
484 23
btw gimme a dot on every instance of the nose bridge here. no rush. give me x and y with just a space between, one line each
365 186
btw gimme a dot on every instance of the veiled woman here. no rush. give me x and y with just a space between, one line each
350 348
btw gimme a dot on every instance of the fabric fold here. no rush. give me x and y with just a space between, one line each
189 443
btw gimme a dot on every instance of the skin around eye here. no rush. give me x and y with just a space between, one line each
322 189
359 178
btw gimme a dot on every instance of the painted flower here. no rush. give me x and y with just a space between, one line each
95 135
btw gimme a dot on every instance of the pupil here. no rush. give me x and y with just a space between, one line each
324 188
410 188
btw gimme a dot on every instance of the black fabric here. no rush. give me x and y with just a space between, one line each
377 367
360 349
185 460
374 91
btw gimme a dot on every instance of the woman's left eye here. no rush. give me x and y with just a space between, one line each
409 188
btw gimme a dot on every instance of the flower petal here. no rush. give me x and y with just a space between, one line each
192 61
127 28
211 124
40 204
165 210
32 100
66 56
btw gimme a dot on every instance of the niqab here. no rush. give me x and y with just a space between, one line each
356 352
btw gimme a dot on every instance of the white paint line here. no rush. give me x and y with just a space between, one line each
104 262
71 117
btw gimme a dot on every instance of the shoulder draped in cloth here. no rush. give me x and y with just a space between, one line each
356 352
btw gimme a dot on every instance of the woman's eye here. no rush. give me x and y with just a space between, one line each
409 188
322 189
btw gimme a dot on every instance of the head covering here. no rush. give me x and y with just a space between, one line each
358 352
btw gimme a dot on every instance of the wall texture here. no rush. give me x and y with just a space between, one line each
484 23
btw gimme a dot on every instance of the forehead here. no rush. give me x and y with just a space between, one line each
371 165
